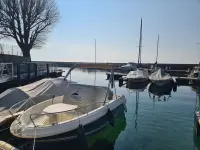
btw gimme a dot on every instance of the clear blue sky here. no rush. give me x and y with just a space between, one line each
115 25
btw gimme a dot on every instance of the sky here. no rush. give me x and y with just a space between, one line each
115 24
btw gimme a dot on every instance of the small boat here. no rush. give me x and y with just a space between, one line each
128 67
84 108
160 78
15 100
139 75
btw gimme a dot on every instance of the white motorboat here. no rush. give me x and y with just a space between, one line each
82 106
160 78
139 75
129 66
15 100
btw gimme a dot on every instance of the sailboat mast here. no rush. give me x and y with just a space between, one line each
140 44
157 49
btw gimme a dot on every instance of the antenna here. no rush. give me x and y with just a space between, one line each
95 49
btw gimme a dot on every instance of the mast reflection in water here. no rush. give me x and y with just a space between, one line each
136 88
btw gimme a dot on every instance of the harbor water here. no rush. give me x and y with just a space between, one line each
150 123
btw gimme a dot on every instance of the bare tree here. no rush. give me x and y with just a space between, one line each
27 21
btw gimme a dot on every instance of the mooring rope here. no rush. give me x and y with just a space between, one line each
4 129
34 139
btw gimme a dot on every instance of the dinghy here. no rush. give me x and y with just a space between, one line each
160 78
82 110
13 101
139 75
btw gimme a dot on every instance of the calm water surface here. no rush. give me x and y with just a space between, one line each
149 124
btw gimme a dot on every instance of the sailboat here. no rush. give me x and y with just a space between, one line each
139 75
159 76
84 108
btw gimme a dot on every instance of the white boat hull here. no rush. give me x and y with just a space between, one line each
64 127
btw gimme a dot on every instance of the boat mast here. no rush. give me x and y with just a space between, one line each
140 44
157 49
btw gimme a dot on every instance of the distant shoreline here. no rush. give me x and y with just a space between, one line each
145 65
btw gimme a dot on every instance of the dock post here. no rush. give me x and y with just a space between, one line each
18 73
29 72
47 70
35 68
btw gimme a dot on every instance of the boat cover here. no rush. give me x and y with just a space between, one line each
138 74
160 75
38 91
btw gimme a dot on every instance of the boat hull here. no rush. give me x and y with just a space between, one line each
71 135
137 80
161 82
28 132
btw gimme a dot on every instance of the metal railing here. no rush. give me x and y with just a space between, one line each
6 69
10 50
30 99
32 116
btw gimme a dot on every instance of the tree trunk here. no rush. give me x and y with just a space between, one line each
26 54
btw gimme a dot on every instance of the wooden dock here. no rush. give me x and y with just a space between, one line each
117 75
12 75
187 81
181 81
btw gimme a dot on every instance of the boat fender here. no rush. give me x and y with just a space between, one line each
82 137
125 108
110 117
120 82
174 87
112 83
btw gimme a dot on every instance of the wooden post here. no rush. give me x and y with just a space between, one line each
18 73
29 71
47 70
35 70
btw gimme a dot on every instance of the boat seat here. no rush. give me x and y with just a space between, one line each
41 120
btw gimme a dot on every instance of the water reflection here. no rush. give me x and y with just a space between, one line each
136 88
106 138
197 108
160 93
